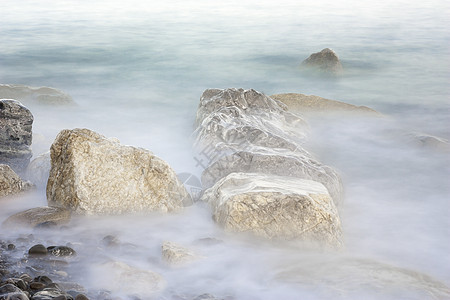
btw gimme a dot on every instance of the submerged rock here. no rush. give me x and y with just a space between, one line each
11 183
16 123
41 95
275 207
325 61
429 142
39 215
309 103
91 174
38 170
177 255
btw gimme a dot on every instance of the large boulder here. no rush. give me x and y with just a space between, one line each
325 61
277 207
300 103
31 95
291 164
39 215
11 183
91 174
15 134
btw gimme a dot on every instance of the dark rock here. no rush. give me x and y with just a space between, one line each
25 277
61 251
17 282
37 285
44 279
11 292
110 241
40 217
81 297
38 249
51 294
15 134
325 61
11 247
10 182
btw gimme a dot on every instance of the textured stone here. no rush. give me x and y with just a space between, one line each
10 182
292 164
30 95
16 123
177 255
11 292
35 216
325 61
300 103
91 174
278 207
38 170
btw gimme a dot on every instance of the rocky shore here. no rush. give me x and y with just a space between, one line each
259 182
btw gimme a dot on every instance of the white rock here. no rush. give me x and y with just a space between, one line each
275 207
91 174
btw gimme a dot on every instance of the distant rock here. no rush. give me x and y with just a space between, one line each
38 170
177 255
39 215
325 61
10 182
429 142
91 174
300 103
293 164
16 123
31 95
275 207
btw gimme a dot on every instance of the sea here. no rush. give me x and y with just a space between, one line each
136 70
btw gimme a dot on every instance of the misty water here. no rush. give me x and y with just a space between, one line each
136 70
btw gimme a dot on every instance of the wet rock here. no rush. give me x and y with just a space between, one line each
20 283
15 134
11 247
91 174
51 294
38 170
61 251
11 292
275 207
11 183
177 255
40 95
38 249
37 285
38 216
325 61
301 103
81 297
293 164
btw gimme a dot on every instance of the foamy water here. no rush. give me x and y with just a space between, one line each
136 71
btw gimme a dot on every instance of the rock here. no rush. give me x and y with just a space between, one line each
325 61
38 249
275 207
431 142
15 134
300 103
30 95
81 297
39 215
91 174
61 251
10 182
177 255
291 164
119 277
11 292
38 170
51 294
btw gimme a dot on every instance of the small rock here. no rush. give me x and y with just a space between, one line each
177 255
11 183
325 61
11 247
11 292
37 285
39 216
81 297
61 251
38 249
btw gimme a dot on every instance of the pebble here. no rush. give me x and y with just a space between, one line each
61 251
38 249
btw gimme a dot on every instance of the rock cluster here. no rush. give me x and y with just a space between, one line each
325 61
15 134
29 95
259 177
91 174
